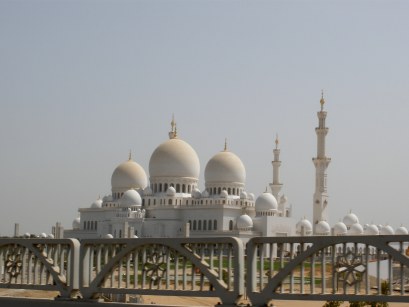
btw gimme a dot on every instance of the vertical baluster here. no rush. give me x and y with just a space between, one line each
99 255
230 267
112 250
334 267
402 282
128 270
378 269
176 270
167 268
292 271
120 272
367 281
302 271
135 269
390 275
211 256
312 274
323 270
261 270
280 247
271 261
220 252
91 261
184 272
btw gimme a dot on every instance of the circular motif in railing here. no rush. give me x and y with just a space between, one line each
14 263
350 268
155 267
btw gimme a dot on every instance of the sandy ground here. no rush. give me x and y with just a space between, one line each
174 300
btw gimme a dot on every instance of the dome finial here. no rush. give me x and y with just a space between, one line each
130 155
322 101
225 144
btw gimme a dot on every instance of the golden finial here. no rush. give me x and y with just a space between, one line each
225 144
322 101
176 131
172 123
130 155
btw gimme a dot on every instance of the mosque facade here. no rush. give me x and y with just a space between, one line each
170 204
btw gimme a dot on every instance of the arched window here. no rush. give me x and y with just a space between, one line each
231 225
229 191
115 233
160 187
120 233
166 187
188 189
219 190
88 225
178 188
183 188
199 225
190 225
170 201
154 202
96 225
204 225
215 224
210 225
194 225
85 225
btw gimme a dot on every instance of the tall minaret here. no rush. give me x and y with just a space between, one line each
321 162
276 186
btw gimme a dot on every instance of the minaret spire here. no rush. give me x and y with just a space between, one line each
321 162
276 185
225 144
130 155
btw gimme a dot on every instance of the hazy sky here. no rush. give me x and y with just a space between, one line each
82 82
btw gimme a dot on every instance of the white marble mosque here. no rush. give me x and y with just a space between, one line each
171 205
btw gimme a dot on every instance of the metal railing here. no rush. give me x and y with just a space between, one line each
349 268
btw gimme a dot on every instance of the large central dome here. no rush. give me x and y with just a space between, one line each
174 158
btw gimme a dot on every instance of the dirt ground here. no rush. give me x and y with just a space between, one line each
175 300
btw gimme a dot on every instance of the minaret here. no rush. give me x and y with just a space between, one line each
321 162
276 186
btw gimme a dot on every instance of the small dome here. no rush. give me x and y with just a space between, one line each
244 222
340 229
108 236
251 196
266 202
43 235
50 236
27 235
387 230
283 199
225 167
350 219
356 230
97 204
371 230
174 158
224 194
304 226
135 236
401 231
322 228
76 223
243 195
130 198
129 175
171 192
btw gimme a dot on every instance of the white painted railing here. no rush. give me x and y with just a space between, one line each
350 268
40 264
211 267
327 268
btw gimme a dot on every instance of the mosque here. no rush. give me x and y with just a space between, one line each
171 205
